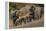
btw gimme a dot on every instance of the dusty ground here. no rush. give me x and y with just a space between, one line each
36 23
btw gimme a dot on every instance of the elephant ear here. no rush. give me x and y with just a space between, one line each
33 8
17 13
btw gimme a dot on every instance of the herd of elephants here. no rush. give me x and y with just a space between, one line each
27 13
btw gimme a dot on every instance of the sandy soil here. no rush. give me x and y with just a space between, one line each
35 23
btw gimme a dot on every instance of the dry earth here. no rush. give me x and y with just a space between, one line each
35 23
